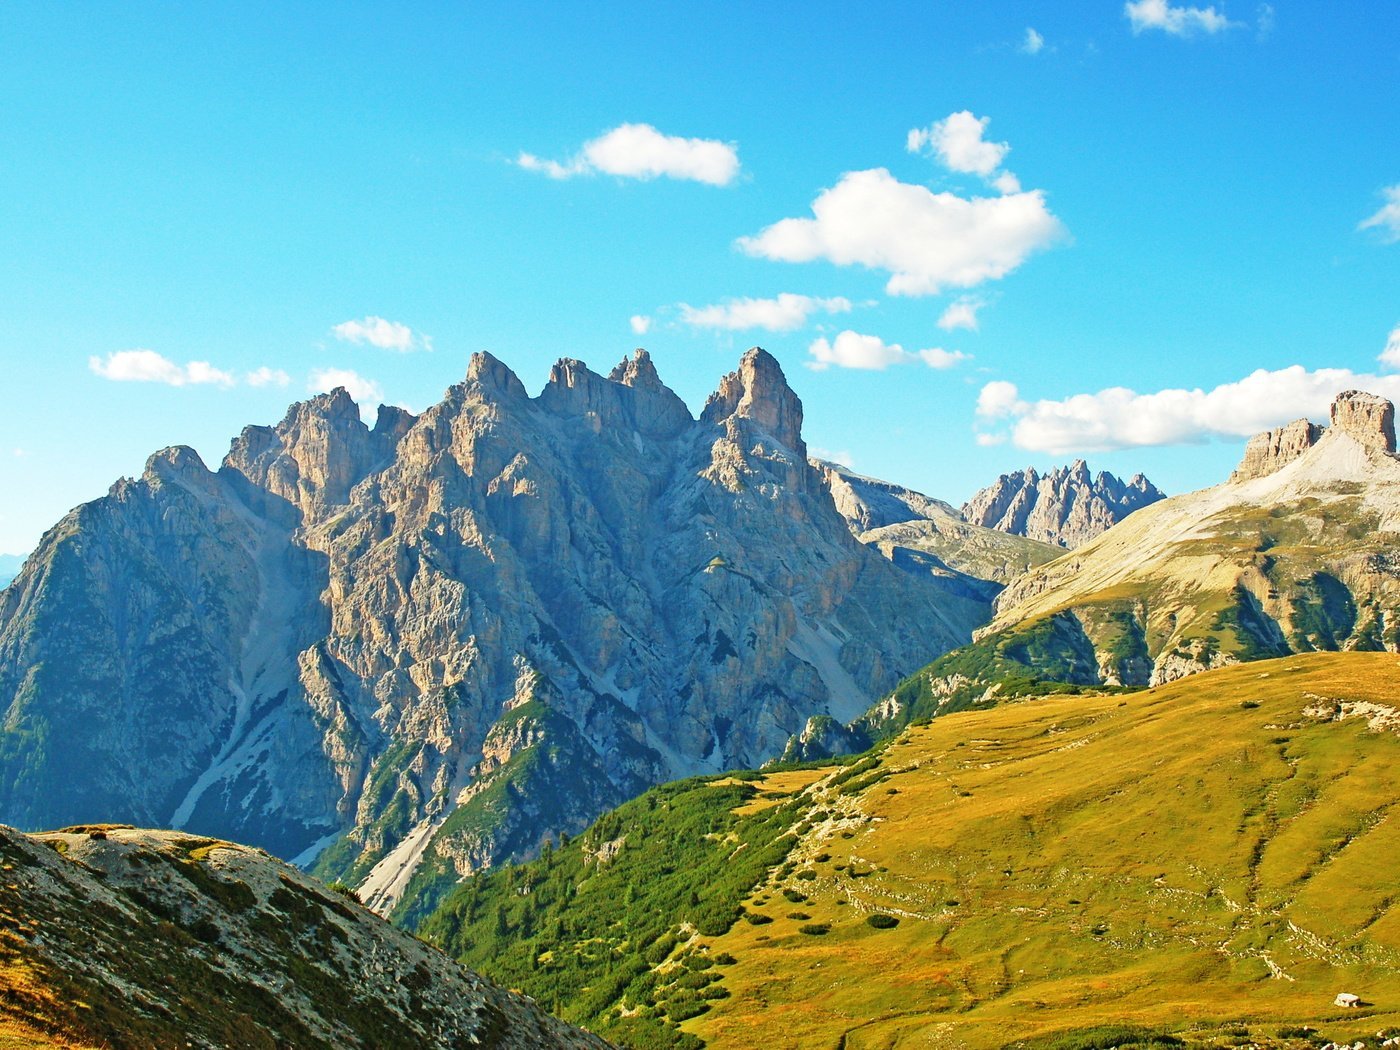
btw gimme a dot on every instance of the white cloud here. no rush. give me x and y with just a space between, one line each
20 453
366 392
871 353
639 151
1178 21
1033 43
386 335
927 241
842 457
1387 220
958 144
147 366
267 377
1391 354
990 440
786 313
641 325
1118 418
961 313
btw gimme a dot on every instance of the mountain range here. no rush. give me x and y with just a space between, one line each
1065 507
407 652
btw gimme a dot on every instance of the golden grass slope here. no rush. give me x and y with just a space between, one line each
1220 851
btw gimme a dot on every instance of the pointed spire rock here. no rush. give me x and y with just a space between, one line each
759 392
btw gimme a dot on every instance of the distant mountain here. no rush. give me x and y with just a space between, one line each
157 940
412 651
925 535
1201 864
1066 507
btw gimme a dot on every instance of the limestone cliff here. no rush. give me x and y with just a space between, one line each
408 651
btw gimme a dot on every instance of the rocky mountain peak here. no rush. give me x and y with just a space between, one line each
759 391
637 372
492 378
1368 418
178 460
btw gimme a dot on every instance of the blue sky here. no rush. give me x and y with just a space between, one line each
1200 192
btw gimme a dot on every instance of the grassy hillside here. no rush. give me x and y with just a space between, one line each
1211 861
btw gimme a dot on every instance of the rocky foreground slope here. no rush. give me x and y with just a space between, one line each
1066 507
418 649
151 940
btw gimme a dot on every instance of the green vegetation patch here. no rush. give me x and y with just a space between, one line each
607 929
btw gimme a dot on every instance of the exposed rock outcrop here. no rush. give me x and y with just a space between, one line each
414 650
1275 449
1065 507
157 940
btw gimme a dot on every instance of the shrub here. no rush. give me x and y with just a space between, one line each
815 929
881 921
758 920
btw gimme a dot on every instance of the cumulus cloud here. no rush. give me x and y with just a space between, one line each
1118 417
958 144
1033 43
961 313
1176 20
377 332
366 392
641 324
871 353
639 151
927 241
147 366
1391 354
786 313
1386 221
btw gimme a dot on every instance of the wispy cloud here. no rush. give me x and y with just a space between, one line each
1390 356
378 332
1163 16
639 151
832 456
786 313
267 377
1118 417
1033 43
871 353
961 313
640 323
1386 222
147 366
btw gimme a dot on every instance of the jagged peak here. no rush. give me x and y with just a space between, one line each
638 372
758 390
492 378
334 405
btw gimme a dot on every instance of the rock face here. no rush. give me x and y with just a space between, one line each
1065 507
1295 553
409 651
151 940
1275 449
